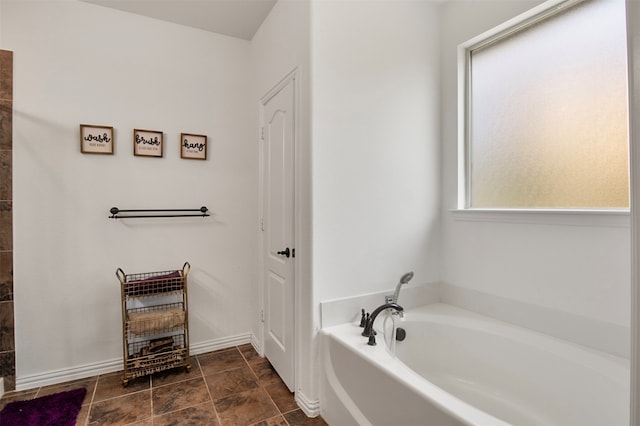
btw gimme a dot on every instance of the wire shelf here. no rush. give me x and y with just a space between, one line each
155 335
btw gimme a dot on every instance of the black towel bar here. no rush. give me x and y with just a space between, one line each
143 213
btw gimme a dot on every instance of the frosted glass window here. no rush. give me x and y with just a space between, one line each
548 113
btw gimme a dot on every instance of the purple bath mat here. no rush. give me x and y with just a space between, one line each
60 409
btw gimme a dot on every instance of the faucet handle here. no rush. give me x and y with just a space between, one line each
372 339
366 325
363 319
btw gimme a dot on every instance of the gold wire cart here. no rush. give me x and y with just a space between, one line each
155 322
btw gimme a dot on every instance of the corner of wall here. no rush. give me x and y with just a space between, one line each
633 40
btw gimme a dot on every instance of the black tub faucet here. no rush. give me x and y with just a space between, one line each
368 329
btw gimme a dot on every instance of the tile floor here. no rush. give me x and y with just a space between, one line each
232 387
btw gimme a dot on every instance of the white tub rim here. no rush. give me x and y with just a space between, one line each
348 335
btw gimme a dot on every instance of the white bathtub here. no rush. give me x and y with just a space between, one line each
456 367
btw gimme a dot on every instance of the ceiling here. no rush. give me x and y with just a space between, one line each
236 18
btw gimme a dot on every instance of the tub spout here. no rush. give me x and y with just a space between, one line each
368 329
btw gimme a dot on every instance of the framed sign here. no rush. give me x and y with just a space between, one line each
147 143
193 147
96 139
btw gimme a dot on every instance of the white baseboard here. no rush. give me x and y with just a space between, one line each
1 386
112 365
310 407
67 374
217 344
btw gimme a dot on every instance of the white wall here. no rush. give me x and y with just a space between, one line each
581 270
281 45
376 147
79 63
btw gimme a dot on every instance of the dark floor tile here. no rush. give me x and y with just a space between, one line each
184 398
6 225
6 167
88 384
110 386
178 396
6 275
245 408
216 362
6 123
8 370
6 326
145 422
17 396
121 410
298 418
265 372
177 374
281 396
274 421
200 415
249 352
231 381
6 74
83 415
9 381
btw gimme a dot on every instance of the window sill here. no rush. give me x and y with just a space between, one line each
605 218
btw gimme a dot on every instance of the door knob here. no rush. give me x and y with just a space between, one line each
286 253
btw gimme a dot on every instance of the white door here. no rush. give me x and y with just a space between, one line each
278 224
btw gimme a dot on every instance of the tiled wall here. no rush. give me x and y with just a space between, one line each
7 345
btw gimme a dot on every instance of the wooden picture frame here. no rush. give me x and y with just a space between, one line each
193 147
96 139
147 143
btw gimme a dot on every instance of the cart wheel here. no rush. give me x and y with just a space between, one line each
187 368
125 382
